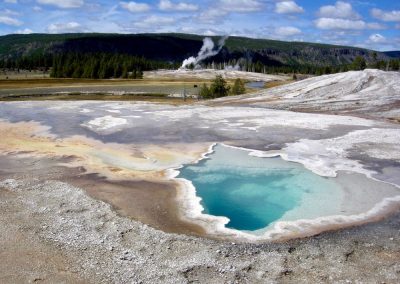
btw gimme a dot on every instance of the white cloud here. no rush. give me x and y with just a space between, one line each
37 9
376 26
341 16
8 12
167 5
135 7
71 27
219 12
287 31
380 42
241 6
154 21
288 7
339 10
106 27
339 24
7 20
377 38
24 31
63 3
345 24
387 16
11 1
212 16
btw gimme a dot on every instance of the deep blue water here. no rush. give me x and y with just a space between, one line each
254 192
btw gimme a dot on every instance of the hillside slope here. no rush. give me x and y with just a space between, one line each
177 47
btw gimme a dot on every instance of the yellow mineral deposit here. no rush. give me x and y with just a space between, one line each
111 160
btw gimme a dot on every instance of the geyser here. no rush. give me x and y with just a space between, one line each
207 50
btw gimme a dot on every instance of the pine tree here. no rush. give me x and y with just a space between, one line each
205 92
219 87
238 87
358 63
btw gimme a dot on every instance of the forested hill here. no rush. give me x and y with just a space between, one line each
393 54
176 47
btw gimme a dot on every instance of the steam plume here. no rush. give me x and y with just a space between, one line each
207 50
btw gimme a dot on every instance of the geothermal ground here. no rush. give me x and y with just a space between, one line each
88 194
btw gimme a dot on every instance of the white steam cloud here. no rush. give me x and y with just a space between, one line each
207 50
232 68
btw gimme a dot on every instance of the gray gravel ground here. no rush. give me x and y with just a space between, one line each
101 247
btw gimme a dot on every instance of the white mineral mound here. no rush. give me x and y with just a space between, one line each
106 124
370 92
209 74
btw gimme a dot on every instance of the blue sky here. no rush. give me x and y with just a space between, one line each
364 23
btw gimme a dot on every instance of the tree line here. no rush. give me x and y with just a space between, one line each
32 62
102 66
359 63
109 65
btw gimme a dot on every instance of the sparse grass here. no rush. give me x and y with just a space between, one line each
272 84
155 90
23 75
50 82
155 98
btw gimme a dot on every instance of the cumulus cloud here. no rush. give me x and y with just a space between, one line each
288 7
378 41
24 31
135 7
7 20
345 24
376 26
71 27
341 16
222 8
8 12
387 16
167 5
154 21
63 3
212 16
339 24
341 10
377 38
241 6
287 31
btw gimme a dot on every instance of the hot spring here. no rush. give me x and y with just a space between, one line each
255 193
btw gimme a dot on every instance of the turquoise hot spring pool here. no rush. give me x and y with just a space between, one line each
255 192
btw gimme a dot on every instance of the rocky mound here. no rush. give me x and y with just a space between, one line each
371 93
